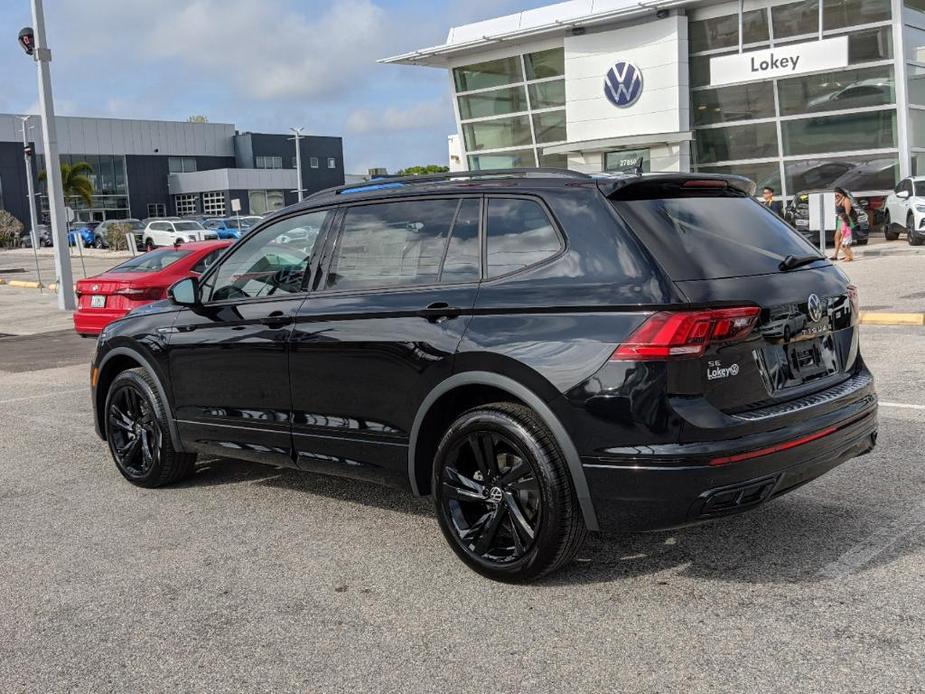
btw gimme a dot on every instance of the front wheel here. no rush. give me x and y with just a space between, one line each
138 433
503 494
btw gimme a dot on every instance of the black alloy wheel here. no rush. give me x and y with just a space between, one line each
503 494
138 435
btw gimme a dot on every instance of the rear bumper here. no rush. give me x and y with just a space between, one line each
639 494
92 321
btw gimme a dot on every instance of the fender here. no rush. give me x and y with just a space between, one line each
147 366
533 401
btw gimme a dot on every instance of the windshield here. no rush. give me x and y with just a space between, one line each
188 226
920 189
709 238
151 262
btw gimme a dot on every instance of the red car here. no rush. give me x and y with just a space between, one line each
139 281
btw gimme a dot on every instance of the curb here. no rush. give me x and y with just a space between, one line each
25 284
892 318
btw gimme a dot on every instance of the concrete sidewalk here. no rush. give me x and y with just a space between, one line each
19 265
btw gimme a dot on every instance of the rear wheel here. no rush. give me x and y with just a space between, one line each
98 242
503 494
138 433
149 245
889 230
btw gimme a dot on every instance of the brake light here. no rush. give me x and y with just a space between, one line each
141 293
773 449
704 183
686 334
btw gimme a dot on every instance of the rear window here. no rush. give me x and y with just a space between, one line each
696 238
151 262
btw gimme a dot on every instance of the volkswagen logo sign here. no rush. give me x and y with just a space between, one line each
623 84
814 308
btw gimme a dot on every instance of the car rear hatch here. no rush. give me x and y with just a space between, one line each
778 322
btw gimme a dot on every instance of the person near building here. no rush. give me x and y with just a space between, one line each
846 224
767 199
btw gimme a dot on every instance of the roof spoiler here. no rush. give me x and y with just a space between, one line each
624 186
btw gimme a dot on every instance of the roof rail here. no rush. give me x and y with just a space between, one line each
398 181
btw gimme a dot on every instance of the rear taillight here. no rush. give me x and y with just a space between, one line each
855 302
685 334
141 293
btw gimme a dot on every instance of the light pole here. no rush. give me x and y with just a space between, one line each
298 159
42 56
33 215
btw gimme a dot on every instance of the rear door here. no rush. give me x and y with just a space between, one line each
381 330
723 250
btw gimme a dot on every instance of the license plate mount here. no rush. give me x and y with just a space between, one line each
97 301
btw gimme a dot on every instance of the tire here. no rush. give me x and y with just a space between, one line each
98 242
512 516
149 245
889 231
138 433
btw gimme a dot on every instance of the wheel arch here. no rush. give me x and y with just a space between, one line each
488 387
121 359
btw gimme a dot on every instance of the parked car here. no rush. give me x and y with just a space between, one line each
169 233
226 228
101 233
545 353
84 230
251 220
905 211
111 295
797 213
44 236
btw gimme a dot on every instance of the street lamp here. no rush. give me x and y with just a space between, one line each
35 44
33 215
298 159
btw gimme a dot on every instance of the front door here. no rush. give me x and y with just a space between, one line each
229 358
380 331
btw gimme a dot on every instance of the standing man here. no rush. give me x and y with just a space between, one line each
767 199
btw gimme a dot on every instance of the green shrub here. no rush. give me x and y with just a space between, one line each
115 236
10 230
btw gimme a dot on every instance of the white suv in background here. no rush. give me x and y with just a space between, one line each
164 232
905 211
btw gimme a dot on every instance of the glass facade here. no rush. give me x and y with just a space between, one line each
512 107
110 187
809 131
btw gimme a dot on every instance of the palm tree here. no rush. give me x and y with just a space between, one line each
74 181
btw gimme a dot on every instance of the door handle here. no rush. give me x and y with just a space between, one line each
440 311
277 319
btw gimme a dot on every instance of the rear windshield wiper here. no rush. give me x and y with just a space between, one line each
791 262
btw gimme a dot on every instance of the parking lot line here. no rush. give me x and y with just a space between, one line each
903 405
877 543
45 395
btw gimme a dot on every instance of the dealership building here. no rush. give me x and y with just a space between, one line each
795 95
144 168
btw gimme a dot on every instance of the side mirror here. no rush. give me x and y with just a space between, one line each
903 194
185 292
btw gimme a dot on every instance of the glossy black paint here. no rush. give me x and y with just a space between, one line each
358 383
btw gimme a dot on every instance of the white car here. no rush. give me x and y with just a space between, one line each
165 232
905 211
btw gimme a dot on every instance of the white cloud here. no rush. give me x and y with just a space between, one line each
392 119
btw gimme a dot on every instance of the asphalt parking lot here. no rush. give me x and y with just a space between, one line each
254 578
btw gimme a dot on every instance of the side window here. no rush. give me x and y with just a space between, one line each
464 252
907 186
392 244
272 262
160 226
206 261
519 234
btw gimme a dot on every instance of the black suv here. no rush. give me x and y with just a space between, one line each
545 352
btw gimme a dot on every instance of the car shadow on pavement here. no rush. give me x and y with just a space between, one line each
794 539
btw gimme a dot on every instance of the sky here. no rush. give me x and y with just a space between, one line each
264 65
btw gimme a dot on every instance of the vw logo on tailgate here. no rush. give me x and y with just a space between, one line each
623 84
814 308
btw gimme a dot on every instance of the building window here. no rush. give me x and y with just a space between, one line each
157 209
314 163
187 204
268 162
181 164
332 163
494 73
213 204
263 201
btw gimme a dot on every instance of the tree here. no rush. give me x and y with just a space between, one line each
423 170
74 181
198 118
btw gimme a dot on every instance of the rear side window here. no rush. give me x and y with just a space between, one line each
519 234
394 244
712 237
